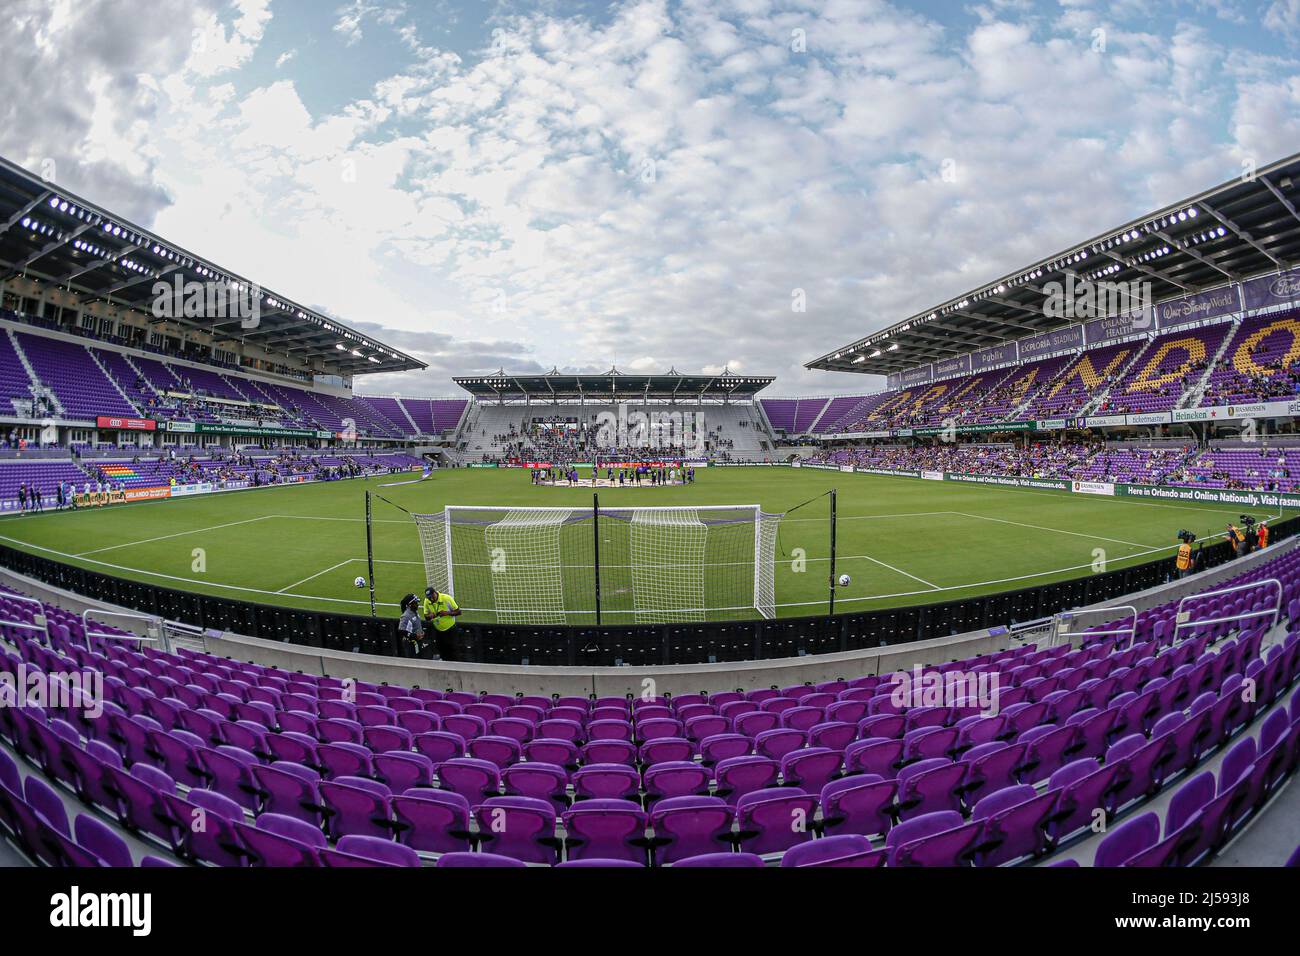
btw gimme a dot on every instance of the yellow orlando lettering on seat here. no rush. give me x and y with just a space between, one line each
889 407
1145 381
1087 372
935 392
1243 361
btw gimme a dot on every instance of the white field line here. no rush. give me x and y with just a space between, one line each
872 517
344 563
1039 527
896 570
178 534
973 584
173 577
1060 495
313 577
331 518
328 600
844 600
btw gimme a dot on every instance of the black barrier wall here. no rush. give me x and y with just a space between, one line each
632 645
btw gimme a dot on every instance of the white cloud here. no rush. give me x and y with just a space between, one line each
1283 16
650 189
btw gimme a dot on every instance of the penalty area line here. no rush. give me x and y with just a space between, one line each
165 537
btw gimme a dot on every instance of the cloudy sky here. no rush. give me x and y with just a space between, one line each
643 184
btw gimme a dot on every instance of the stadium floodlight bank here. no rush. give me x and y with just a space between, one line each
583 566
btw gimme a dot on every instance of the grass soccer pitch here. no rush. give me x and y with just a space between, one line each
902 541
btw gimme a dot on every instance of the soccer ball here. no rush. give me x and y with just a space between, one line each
360 582
844 580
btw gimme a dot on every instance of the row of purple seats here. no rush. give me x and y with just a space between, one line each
1201 816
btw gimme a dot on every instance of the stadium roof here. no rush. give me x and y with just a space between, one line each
1244 228
613 386
50 234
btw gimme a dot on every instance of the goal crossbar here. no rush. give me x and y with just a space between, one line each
546 565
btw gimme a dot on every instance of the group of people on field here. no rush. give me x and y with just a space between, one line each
31 498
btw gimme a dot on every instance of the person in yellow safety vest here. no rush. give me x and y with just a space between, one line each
1263 534
1237 538
1184 560
440 610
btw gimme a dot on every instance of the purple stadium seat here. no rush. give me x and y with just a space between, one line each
606 829
846 850
689 826
1127 840
435 821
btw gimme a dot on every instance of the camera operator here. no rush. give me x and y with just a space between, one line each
1184 561
1237 538
1248 534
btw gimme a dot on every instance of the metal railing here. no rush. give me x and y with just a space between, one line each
1180 617
155 635
1063 621
39 623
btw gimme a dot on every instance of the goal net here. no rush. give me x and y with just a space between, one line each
632 565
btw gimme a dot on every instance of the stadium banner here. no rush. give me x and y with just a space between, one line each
146 494
1116 327
1199 305
881 471
97 499
847 468
1237 412
184 491
811 464
1242 499
1053 424
892 381
970 429
264 432
482 464
916 376
1045 483
1148 418
932 475
1101 421
113 423
952 368
1093 488
994 356
1267 291
1040 346
796 463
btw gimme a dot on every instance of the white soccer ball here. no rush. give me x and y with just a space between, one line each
360 582
844 580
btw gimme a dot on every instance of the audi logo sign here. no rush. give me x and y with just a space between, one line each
110 423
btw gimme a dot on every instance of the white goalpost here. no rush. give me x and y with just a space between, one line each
619 565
